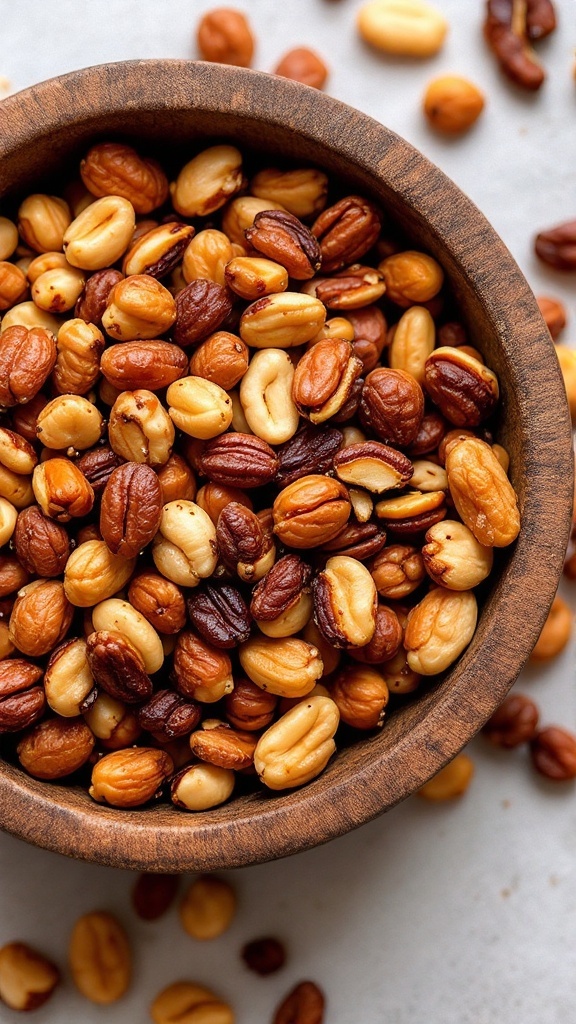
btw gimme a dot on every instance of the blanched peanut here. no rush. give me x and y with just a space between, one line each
428 476
184 549
291 621
408 28
16 454
99 235
199 407
288 667
299 745
284 320
46 261
207 256
207 181
118 615
28 314
112 722
207 907
68 679
58 290
93 573
413 341
266 396
202 786
454 558
439 628
69 421
42 222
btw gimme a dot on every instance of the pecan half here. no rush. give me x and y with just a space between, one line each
22 697
96 294
97 466
168 715
220 615
131 509
358 540
117 666
27 358
42 546
159 600
351 288
282 237
143 364
201 308
346 231
557 246
324 378
280 588
509 27
392 405
553 752
244 546
239 460
311 450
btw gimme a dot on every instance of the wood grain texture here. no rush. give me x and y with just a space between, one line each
175 104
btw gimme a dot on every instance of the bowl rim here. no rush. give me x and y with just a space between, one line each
59 819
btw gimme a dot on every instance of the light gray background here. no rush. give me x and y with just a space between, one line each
462 913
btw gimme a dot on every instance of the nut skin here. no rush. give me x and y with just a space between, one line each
55 747
311 450
346 231
202 307
553 753
131 777
113 168
514 722
143 364
176 479
465 391
96 294
432 429
100 958
27 358
248 707
62 490
303 65
280 588
239 460
22 698
167 715
131 509
361 695
13 285
201 671
369 339
118 667
27 977
310 511
220 615
304 1004
284 238
392 406
159 600
351 288
40 618
42 545
222 359
555 632
345 602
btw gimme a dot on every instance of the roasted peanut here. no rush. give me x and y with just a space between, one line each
68 680
99 235
138 307
408 28
299 745
184 549
207 181
201 786
140 429
288 667
266 396
199 407
207 907
131 777
100 957
43 221
79 346
284 320
27 977
411 277
439 628
69 421
451 781
454 558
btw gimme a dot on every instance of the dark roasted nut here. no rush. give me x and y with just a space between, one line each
553 752
159 600
351 288
55 747
249 707
282 237
554 314
386 641
303 1005
310 511
27 978
131 509
143 364
158 251
508 27
372 465
311 450
27 358
303 65
414 512
24 417
345 602
392 405
224 35
201 670
96 294
13 285
324 378
62 490
515 722
557 246
432 429
361 695
369 335
115 169
213 498
42 546
465 390
239 460
220 615
13 575
244 546
358 540
222 358
40 618
201 308
176 479
224 746
22 697
153 894
131 777
346 231
168 714
397 571
280 588
97 466
264 956
118 667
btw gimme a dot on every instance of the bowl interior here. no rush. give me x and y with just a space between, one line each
172 107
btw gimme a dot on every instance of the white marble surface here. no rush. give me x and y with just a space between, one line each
460 913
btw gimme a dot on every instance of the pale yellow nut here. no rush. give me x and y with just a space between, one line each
116 614
451 781
206 257
202 786
93 573
251 277
16 454
58 290
289 622
100 958
454 558
69 421
439 628
186 1002
239 215
140 429
482 493
68 679
43 221
207 907
239 421
266 396
362 504
285 320
302 190
110 721
288 667
345 602
199 407
428 476
413 341
207 181
44 262
184 549
27 978
8 238
28 314
299 745
16 487
100 235
407 28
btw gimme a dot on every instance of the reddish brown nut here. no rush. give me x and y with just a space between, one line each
117 666
97 465
24 417
280 236
324 378
392 406
249 707
62 490
159 600
143 364
131 509
264 956
386 641
201 671
245 548
239 460
346 231
201 308
153 894
357 540
280 588
370 338
40 618
220 615
303 1005
311 450
55 747
168 715
176 479
557 246
27 358
553 752
310 511
42 546
508 29
515 722
351 288
432 429
465 391
96 294
13 285
22 697
115 169
303 65
220 744
131 777
13 574
361 694
372 465
222 358
554 314
224 35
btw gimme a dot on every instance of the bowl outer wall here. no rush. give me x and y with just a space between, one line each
166 100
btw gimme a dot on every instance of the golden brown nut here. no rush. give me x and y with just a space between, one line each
79 347
13 285
99 235
40 618
94 573
207 907
482 493
373 465
112 722
58 290
207 256
207 181
152 365
452 104
27 358
201 786
282 237
413 28
55 748
454 558
115 169
22 697
245 547
138 307
361 695
222 359
69 421
310 511
159 600
176 479
27 977
198 407
42 546
140 429
186 1001
250 277
299 745
100 957
438 629
324 378
411 277
284 320
224 35
157 251
248 707
131 777
42 222
555 632
397 571
202 671
303 65
288 667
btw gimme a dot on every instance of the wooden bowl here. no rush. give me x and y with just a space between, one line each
163 103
